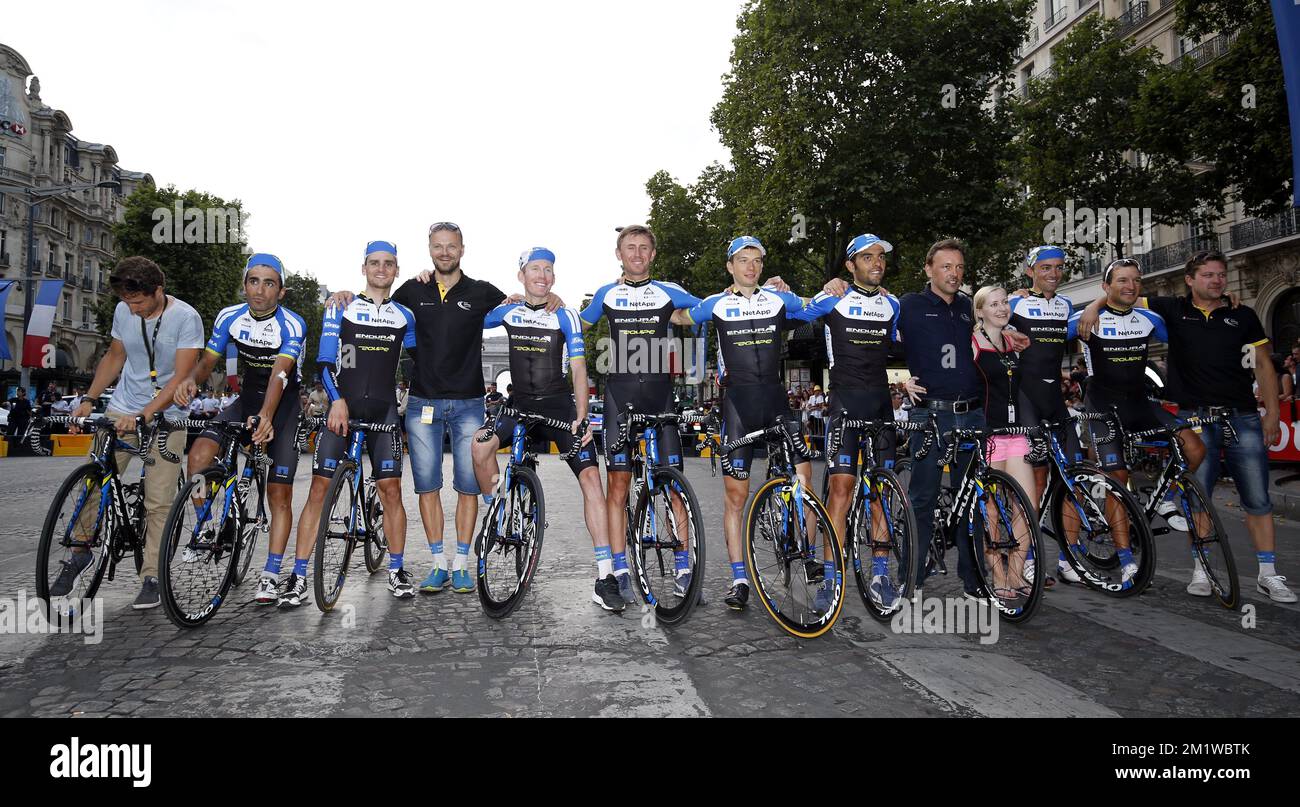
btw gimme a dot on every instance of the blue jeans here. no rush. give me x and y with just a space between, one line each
923 490
463 418
1247 461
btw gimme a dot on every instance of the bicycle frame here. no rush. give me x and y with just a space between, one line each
112 498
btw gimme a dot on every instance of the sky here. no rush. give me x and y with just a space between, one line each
338 123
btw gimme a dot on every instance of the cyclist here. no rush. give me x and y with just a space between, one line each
269 338
360 346
861 327
543 345
749 319
156 341
1116 355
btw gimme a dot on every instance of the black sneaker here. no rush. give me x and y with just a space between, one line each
606 594
72 569
148 596
399 582
737 597
294 593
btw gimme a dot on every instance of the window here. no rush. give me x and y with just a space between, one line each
67 308
86 315
54 258
71 230
68 262
1184 45
4 241
2 156
2 203
103 241
88 234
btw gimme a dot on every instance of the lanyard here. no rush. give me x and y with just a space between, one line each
149 346
1009 361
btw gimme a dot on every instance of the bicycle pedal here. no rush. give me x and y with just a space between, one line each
1160 530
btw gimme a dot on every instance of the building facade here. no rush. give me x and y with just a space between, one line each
72 239
1263 254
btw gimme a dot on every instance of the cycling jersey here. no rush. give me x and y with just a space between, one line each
749 332
860 327
541 345
1116 353
359 349
1045 321
260 341
639 317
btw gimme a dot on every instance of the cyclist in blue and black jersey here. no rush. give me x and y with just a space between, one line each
861 329
269 338
543 346
749 320
360 345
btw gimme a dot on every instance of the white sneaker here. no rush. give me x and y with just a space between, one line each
268 590
1127 573
1066 573
1200 585
1275 588
1030 568
1169 512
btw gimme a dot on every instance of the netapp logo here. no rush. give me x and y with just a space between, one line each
93 761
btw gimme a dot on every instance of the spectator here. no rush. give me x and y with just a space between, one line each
403 392
1079 375
20 414
211 406
896 398
48 399
492 399
196 407
318 401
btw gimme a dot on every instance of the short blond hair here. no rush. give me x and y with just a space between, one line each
636 229
982 297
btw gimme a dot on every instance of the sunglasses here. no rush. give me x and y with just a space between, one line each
443 225
1110 269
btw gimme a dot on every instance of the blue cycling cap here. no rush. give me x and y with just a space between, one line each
1043 253
742 242
863 242
264 259
535 254
381 246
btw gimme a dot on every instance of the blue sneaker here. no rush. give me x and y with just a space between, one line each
625 588
825 594
681 583
436 581
461 582
883 592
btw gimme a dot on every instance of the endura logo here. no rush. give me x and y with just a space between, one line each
93 761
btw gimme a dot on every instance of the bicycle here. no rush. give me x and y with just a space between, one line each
93 513
1098 506
1209 540
663 519
892 535
1001 527
374 549
788 533
212 528
509 542
352 514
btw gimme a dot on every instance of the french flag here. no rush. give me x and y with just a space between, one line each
38 329
232 366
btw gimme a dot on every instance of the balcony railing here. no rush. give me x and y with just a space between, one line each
4 258
1257 231
1056 19
87 284
1207 52
1132 18
1176 254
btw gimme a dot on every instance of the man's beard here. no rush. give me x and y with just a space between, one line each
450 270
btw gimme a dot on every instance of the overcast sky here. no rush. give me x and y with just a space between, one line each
341 122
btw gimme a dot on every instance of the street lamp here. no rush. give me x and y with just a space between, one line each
34 198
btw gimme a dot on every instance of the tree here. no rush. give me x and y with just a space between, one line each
302 296
1238 122
1102 134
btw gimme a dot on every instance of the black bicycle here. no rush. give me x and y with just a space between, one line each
665 526
212 528
880 527
95 521
352 514
509 541
1208 538
1092 515
789 539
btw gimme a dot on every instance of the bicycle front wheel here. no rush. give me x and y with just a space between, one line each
1102 517
1209 540
882 543
74 548
793 558
1011 547
666 545
509 544
376 542
341 525
249 528
197 555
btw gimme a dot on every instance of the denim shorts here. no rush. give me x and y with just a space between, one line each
462 417
1247 460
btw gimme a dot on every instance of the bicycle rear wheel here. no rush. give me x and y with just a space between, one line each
197 554
882 543
785 558
1012 546
341 524
1209 540
657 539
1105 515
509 544
376 541
78 523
